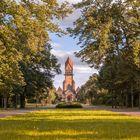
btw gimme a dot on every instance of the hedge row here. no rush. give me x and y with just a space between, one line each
69 105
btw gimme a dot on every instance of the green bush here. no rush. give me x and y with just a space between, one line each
31 100
69 105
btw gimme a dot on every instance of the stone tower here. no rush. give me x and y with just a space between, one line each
69 84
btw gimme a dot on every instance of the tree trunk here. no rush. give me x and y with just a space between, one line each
5 102
126 101
112 103
123 101
120 101
37 101
115 102
132 96
139 100
14 101
22 101
2 102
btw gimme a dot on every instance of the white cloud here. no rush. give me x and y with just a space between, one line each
68 21
55 44
82 69
60 54
70 1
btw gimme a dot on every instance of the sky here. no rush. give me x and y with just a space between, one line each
66 46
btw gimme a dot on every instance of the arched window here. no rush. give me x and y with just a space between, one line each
69 87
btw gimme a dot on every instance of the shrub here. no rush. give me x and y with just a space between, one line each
69 105
31 100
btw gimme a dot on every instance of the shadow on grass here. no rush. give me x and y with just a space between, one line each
42 127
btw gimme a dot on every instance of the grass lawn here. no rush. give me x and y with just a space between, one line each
70 125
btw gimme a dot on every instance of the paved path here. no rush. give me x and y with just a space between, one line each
131 113
7 113
124 111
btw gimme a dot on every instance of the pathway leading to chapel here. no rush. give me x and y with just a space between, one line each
8 113
123 111
12 112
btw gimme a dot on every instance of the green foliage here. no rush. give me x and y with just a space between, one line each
119 78
24 31
69 105
91 92
38 74
109 34
107 27
51 98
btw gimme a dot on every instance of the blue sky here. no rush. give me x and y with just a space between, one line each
66 46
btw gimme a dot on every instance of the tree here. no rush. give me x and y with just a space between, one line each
89 90
39 74
109 34
118 77
106 27
10 74
24 30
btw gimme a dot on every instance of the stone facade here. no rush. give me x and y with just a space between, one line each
69 83
68 93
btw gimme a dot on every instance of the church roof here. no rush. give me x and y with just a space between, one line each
69 61
59 89
77 90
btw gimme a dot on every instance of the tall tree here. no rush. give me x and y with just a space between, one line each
108 26
89 90
24 30
109 34
39 74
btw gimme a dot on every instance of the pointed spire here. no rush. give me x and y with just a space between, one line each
69 61
59 89
78 89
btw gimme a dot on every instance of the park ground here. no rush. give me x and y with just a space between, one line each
90 123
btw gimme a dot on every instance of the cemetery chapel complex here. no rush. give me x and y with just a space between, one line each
68 93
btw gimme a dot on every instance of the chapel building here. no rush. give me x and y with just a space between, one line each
69 83
68 93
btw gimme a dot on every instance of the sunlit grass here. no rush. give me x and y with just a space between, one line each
70 125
